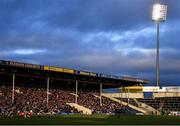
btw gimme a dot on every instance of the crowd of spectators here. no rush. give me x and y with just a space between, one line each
33 99
91 100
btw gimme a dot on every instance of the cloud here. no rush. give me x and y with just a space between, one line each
28 51
111 36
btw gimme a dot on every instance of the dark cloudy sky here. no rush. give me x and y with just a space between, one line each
108 36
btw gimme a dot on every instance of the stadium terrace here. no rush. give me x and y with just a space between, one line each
31 89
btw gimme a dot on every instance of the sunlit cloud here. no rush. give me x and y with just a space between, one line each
134 34
28 51
21 52
144 51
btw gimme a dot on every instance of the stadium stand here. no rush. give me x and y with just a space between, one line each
39 89
165 105
34 100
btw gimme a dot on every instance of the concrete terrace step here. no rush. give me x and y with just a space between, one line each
80 108
126 104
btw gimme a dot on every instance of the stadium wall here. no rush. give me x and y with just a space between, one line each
166 94
125 95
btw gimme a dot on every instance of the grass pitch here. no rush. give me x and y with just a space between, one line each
92 120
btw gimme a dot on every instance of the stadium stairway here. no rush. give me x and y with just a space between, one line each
80 108
148 107
142 109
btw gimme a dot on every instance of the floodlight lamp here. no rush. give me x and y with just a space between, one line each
159 12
